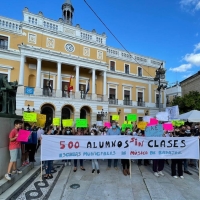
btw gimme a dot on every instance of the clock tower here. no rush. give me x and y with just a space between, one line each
67 10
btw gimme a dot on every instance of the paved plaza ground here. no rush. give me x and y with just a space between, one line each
108 185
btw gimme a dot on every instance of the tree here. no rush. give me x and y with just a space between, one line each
188 102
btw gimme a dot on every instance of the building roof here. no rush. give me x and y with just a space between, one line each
191 77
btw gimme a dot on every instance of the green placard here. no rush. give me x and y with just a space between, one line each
124 126
132 117
56 121
30 117
67 122
81 123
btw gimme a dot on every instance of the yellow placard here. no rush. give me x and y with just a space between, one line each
56 121
67 122
41 120
142 125
30 117
115 117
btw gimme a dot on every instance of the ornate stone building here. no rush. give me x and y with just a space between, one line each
191 83
42 54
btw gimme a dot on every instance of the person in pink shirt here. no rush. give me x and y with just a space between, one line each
14 148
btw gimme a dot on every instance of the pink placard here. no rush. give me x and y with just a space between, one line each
23 136
168 127
107 124
152 122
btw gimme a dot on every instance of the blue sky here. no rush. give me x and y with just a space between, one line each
165 29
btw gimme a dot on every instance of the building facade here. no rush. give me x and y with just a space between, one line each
191 84
173 92
43 54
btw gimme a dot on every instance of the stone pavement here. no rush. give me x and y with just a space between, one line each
110 185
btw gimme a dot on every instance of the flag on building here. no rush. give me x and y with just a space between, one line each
71 84
87 87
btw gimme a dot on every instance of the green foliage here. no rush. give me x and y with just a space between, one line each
188 102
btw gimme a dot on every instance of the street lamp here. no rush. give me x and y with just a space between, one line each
102 114
160 74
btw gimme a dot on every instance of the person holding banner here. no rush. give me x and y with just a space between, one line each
95 163
79 132
126 162
113 131
49 163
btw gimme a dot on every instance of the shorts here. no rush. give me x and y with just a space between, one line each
15 154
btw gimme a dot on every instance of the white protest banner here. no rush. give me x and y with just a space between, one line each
147 118
99 123
56 147
154 131
162 116
173 112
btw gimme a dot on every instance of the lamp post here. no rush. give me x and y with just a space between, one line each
160 74
102 114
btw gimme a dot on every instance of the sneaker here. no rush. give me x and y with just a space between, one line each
98 171
181 177
116 168
24 164
8 177
16 171
93 171
156 174
161 173
27 163
69 164
175 176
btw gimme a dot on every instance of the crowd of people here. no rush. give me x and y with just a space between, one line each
29 148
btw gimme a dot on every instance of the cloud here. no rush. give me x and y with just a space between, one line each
192 5
181 68
193 59
196 47
197 34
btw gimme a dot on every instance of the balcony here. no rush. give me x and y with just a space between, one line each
157 105
67 94
141 103
87 96
49 92
113 101
127 102
3 47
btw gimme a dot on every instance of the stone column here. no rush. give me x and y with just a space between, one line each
77 93
20 89
58 91
105 97
94 96
38 90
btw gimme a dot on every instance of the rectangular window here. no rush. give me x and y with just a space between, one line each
140 96
126 69
126 95
112 94
139 71
140 119
3 42
157 98
112 65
